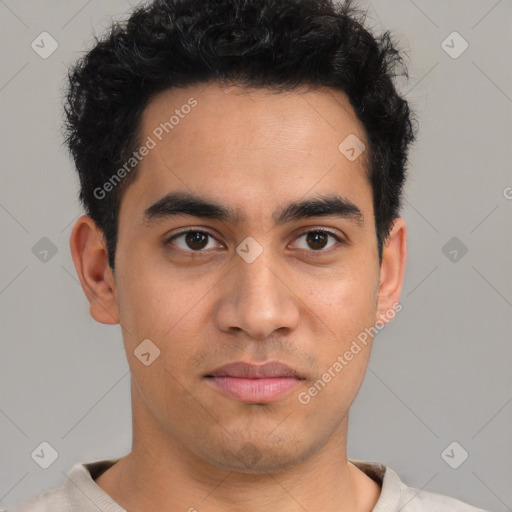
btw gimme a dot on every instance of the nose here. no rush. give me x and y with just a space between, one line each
258 298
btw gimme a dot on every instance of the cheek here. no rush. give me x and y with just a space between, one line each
347 311
345 300
346 306
156 304
156 298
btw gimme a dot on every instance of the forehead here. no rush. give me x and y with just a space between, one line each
253 146
250 119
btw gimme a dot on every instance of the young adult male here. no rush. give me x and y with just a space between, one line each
241 164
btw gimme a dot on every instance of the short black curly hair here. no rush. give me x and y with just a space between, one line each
276 44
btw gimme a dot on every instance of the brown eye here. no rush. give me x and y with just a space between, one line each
196 240
192 240
318 240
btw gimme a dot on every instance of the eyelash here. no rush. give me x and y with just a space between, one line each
195 254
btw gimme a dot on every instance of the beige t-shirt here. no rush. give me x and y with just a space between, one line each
80 493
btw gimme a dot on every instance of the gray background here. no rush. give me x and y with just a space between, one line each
441 372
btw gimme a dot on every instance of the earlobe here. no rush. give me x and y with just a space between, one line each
91 263
392 269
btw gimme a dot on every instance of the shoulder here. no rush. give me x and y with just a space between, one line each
416 500
396 495
53 500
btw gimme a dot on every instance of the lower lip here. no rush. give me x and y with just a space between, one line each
254 390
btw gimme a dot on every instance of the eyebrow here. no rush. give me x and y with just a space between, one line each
186 203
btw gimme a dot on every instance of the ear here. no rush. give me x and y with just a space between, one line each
392 269
89 253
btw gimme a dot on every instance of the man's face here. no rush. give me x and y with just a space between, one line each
210 298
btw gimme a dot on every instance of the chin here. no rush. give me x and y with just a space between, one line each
258 458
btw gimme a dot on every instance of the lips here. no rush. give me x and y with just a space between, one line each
250 371
254 384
